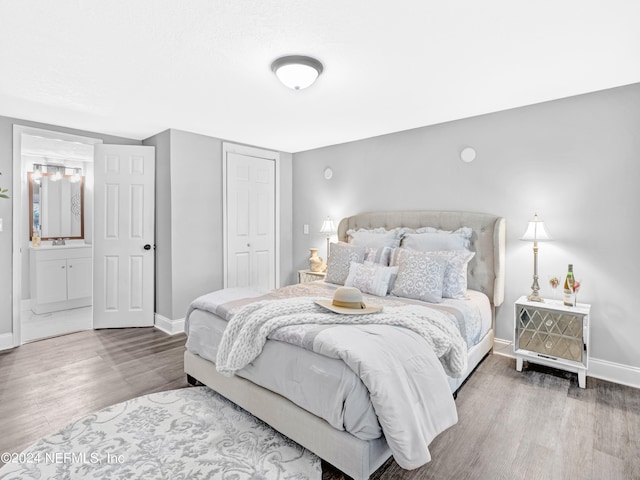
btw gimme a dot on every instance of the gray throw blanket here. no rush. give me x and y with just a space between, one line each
248 330
402 368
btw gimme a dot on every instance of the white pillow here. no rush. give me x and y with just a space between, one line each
419 276
340 257
429 239
376 238
370 278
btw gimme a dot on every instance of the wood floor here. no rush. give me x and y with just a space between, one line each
47 384
536 424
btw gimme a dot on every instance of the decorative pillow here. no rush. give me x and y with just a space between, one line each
419 276
455 274
370 278
429 239
380 255
378 237
340 257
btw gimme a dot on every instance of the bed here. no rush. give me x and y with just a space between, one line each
355 447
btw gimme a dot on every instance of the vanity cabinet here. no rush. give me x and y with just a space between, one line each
61 278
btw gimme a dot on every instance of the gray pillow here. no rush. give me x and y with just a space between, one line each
420 276
340 257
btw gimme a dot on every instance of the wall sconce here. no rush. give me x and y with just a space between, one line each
535 232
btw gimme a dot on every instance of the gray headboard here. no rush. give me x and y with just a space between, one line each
486 269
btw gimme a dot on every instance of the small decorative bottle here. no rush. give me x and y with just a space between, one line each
569 293
35 238
315 262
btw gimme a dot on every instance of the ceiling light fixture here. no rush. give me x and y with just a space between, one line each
297 71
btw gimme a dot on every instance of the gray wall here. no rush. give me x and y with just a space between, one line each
574 161
189 243
6 206
163 296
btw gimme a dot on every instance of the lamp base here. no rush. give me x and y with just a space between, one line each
534 297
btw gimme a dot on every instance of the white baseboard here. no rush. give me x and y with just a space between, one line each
602 369
614 372
25 304
6 341
169 326
503 347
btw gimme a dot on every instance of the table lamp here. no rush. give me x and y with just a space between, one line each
329 229
535 232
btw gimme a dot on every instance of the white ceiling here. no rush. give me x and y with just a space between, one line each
136 68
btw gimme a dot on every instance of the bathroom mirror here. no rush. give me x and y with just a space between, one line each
56 206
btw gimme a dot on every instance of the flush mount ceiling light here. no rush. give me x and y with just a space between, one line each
297 71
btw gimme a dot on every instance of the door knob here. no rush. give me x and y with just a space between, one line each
147 247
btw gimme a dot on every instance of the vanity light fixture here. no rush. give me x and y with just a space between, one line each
37 172
75 178
297 71
56 172
57 176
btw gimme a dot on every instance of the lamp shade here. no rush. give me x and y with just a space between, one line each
536 231
297 71
328 226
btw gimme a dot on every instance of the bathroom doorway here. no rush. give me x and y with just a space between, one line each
52 233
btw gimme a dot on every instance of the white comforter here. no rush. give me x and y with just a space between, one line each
401 367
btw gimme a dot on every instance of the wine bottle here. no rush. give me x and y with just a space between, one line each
569 294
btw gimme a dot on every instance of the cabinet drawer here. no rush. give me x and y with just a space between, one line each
554 333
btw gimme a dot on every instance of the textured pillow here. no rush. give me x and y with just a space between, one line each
419 276
455 274
376 238
340 258
428 239
370 278
381 255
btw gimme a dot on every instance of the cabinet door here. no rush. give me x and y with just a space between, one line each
51 281
79 278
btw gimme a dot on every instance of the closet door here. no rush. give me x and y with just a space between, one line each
250 218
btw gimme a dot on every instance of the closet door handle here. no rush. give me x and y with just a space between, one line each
147 247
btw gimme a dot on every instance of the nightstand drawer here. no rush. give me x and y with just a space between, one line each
557 334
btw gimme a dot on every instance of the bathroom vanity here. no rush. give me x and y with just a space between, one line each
61 277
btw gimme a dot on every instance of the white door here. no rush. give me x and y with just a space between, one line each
251 219
123 289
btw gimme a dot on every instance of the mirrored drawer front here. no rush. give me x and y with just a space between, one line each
553 333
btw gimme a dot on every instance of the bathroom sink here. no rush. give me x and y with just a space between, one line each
48 245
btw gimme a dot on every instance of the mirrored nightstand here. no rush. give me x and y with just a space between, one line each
552 334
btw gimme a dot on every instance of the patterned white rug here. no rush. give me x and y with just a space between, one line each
190 433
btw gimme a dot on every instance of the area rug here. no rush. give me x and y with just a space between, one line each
190 433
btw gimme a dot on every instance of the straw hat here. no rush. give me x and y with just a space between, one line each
348 300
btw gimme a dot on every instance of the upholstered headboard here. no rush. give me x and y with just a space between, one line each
486 269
